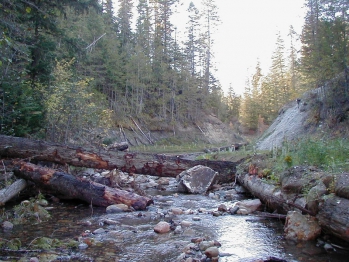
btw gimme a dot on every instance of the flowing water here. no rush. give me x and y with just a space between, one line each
131 236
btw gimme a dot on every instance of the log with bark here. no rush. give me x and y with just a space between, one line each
270 194
131 162
333 216
69 186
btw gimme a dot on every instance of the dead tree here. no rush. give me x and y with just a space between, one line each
70 187
131 162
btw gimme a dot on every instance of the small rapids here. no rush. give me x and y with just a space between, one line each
130 236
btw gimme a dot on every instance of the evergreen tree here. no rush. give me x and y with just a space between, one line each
210 20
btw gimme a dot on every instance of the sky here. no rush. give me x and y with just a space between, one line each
247 34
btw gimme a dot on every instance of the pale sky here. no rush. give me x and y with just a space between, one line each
248 34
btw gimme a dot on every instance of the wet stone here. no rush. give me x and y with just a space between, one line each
177 211
99 231
234 210
185 223
119 208
178 230
110 222
7 225
222 208
216 213
205 245
196 218
162 227
83 246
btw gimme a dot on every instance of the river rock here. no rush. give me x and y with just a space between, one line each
248 206
196 180
117 208
204 245
162 227
178 230
7 225
83 246
342 185
212 252
222 208
185 223
216 213
234 210
98 231
314 196
177 211
294 179
301 227
163 181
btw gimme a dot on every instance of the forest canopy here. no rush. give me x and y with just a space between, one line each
69 67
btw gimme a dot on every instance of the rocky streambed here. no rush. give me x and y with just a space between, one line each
218 225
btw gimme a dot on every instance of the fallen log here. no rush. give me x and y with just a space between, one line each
12 190
269 194
131 162
333 216
70 187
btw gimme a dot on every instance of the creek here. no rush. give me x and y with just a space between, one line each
131 236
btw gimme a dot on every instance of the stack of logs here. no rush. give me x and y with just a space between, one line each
27 153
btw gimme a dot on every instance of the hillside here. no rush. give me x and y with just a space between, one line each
320 112
209 130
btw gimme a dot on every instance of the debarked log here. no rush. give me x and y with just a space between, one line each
71 187
131 162
12 190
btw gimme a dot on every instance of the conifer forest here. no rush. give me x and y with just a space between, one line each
68 67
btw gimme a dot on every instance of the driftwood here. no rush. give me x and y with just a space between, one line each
12 190
68 186
140 163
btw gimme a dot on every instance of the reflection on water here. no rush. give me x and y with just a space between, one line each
249 240
132 238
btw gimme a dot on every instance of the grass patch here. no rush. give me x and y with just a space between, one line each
327 154
172 146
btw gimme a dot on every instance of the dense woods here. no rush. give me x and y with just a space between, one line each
70 67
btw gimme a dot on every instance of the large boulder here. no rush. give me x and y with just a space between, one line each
196 180
301 227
